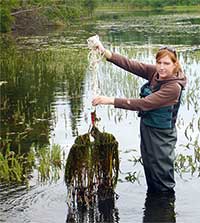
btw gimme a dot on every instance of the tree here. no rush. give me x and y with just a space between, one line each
5 14
90 5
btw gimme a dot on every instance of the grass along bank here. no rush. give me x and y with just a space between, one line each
121 7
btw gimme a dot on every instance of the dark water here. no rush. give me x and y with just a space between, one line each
46 97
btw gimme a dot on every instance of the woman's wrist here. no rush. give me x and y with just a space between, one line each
112 101
107 54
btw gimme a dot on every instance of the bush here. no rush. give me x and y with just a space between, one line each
6 19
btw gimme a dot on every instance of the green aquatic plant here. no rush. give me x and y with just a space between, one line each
4 169
43 155
56 156
91 169
16 167
49 163
29 80
189 162
77 161
105 156
132 177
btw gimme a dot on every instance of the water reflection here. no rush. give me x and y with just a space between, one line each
41 79
104 212
159 208
30 79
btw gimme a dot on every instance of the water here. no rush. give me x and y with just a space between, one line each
48 97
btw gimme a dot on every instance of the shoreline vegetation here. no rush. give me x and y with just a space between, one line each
29 17
28 117
121 7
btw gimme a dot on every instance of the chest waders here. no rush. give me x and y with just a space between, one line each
158 140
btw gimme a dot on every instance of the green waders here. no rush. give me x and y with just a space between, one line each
158 155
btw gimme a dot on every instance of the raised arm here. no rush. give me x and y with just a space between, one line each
143 70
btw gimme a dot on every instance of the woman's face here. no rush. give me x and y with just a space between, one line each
165 67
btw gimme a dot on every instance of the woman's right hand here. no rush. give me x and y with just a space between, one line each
100 47
103 100
103 51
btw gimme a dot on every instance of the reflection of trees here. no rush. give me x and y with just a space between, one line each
74 74
25 98
155 28
140 36
30 78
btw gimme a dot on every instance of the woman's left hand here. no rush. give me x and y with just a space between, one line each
102 100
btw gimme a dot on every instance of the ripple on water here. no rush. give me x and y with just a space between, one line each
40 203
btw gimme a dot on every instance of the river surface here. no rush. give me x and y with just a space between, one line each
47 87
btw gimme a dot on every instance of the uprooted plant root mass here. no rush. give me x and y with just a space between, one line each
92 167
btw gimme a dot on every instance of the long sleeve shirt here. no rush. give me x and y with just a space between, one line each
167 95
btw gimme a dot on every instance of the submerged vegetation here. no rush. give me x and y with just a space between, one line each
18 168
36 72
28 91
28 81
185 163
189 161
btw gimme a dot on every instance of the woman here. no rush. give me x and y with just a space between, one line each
158 108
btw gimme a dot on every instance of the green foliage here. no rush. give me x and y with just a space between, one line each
92 166
16 167
63 12
78 160
185 163
6 18
151 3
49 163
44 163
56 156
132 177
30 79
67 10
90 5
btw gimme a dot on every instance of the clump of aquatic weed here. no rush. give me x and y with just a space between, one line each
16 167
91 170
